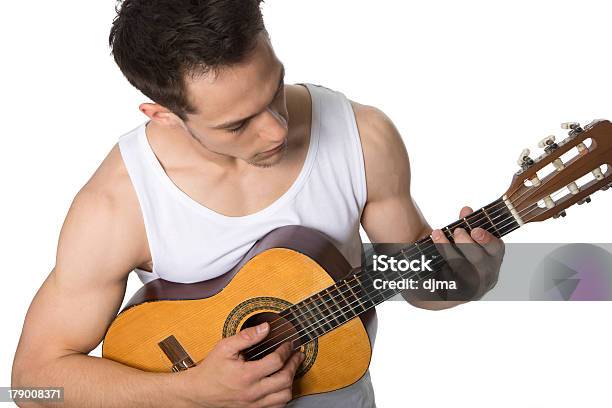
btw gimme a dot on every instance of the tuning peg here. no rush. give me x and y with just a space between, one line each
561 214
584 200
571 126
549 202
598 174
558 163
573 188
604 188
548 144
524 160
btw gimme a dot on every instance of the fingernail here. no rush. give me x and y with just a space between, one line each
436 235
478 233
458 231
262 328
302 356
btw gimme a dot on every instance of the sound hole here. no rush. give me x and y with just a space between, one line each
254 311
281 331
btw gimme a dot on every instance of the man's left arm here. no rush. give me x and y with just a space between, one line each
392 216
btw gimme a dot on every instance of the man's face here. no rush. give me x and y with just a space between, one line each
242 112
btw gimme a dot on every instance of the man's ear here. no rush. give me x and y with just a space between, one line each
159 114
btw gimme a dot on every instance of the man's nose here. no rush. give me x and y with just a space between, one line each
278 117
276 126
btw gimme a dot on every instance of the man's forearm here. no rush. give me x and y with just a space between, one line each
97 382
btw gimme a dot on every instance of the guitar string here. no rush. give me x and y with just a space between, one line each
362 272
358 300
527 210
489 214
309 330
322 302
346 283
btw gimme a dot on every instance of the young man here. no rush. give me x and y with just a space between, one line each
228 154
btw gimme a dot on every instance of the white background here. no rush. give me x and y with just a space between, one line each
468 84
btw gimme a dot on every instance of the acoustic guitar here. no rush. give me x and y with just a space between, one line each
312 297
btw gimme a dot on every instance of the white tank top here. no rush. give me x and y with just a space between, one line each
190 242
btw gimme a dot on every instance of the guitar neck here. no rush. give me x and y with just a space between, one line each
354 295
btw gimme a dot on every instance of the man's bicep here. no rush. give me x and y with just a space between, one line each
390 213
82 294
62 320
395 219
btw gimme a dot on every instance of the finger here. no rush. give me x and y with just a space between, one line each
277 399
283 378
465 211
270 363
492 245
246 338
438 237
473 252
293 363
444 247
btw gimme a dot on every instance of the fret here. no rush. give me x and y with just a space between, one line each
509 226
431 252
366 295
476 220
496 208
313 325
324 315
507 220
357 298
384 275
332 304
346 311
416 244
343 300
488 217
302 321
448 234
319 319
368 286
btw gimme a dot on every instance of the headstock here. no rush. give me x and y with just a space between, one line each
568 172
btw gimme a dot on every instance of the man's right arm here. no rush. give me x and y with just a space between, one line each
76 303
79 299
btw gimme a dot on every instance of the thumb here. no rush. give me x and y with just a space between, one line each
246 338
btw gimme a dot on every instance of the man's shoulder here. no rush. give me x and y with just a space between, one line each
105 212
109 192
384 151
110 179
380 139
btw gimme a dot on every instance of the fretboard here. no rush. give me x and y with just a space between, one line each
354 295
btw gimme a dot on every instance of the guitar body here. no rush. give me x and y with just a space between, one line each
284 267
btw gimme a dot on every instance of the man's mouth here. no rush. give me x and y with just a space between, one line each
275 149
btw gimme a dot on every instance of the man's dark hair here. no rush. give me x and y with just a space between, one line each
158 43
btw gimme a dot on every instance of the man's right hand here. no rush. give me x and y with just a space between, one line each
225 379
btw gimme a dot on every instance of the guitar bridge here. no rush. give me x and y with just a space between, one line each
176 353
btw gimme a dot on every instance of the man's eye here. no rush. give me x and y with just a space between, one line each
237 129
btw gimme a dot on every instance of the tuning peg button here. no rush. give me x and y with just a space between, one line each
561 214
570 125
548 143
524 160
573 127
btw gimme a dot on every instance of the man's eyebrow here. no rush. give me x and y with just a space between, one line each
233 123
